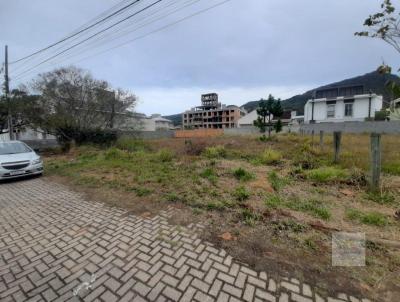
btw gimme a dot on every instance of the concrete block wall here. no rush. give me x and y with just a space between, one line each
388 127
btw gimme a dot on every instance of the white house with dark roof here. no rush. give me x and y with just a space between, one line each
342 104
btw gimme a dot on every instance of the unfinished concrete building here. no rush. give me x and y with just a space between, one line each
212 114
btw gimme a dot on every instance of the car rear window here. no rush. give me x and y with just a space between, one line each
13 148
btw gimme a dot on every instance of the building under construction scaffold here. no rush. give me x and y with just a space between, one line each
212 114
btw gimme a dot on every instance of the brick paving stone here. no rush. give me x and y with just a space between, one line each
54 244
215 288
271 285
299 298
109 297
249 293
172 293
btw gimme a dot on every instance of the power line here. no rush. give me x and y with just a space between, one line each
104 39
153 20
92 36
77 33
151 32
111 9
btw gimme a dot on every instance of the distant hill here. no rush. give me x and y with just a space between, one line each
175 118
373 81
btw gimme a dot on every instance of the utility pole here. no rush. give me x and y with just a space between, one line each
6 92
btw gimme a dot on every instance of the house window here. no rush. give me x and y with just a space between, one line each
330 111
348 110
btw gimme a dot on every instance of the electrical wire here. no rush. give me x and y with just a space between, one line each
147 34
92 36
35 57
77 33
122 34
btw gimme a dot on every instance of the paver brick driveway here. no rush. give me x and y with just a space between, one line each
55 246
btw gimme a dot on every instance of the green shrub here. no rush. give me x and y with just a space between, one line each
215 152
270 157
209 173
392 168
314 207
95 136
165 155
370 218
241 194
276 182
131 144
380 197
381 115
243 175
115 154
327 174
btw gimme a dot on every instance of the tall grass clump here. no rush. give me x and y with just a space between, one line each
392 168
115 154
270 157
370 218
243 175
241 193
209 173
250 217
131 144
215 152
314 207
380 197
327 174
165 155
276 181
273 201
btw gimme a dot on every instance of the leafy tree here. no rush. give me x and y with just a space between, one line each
385 25
265 111
278 126
20 106
72 102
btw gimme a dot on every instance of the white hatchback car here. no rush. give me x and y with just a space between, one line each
17 160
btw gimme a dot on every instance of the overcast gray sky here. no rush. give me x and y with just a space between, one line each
243 50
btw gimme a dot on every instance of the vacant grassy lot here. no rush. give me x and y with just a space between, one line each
272 204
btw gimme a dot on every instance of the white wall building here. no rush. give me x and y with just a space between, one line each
155 123
341 105
248 120
395 110
4 137
141 122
